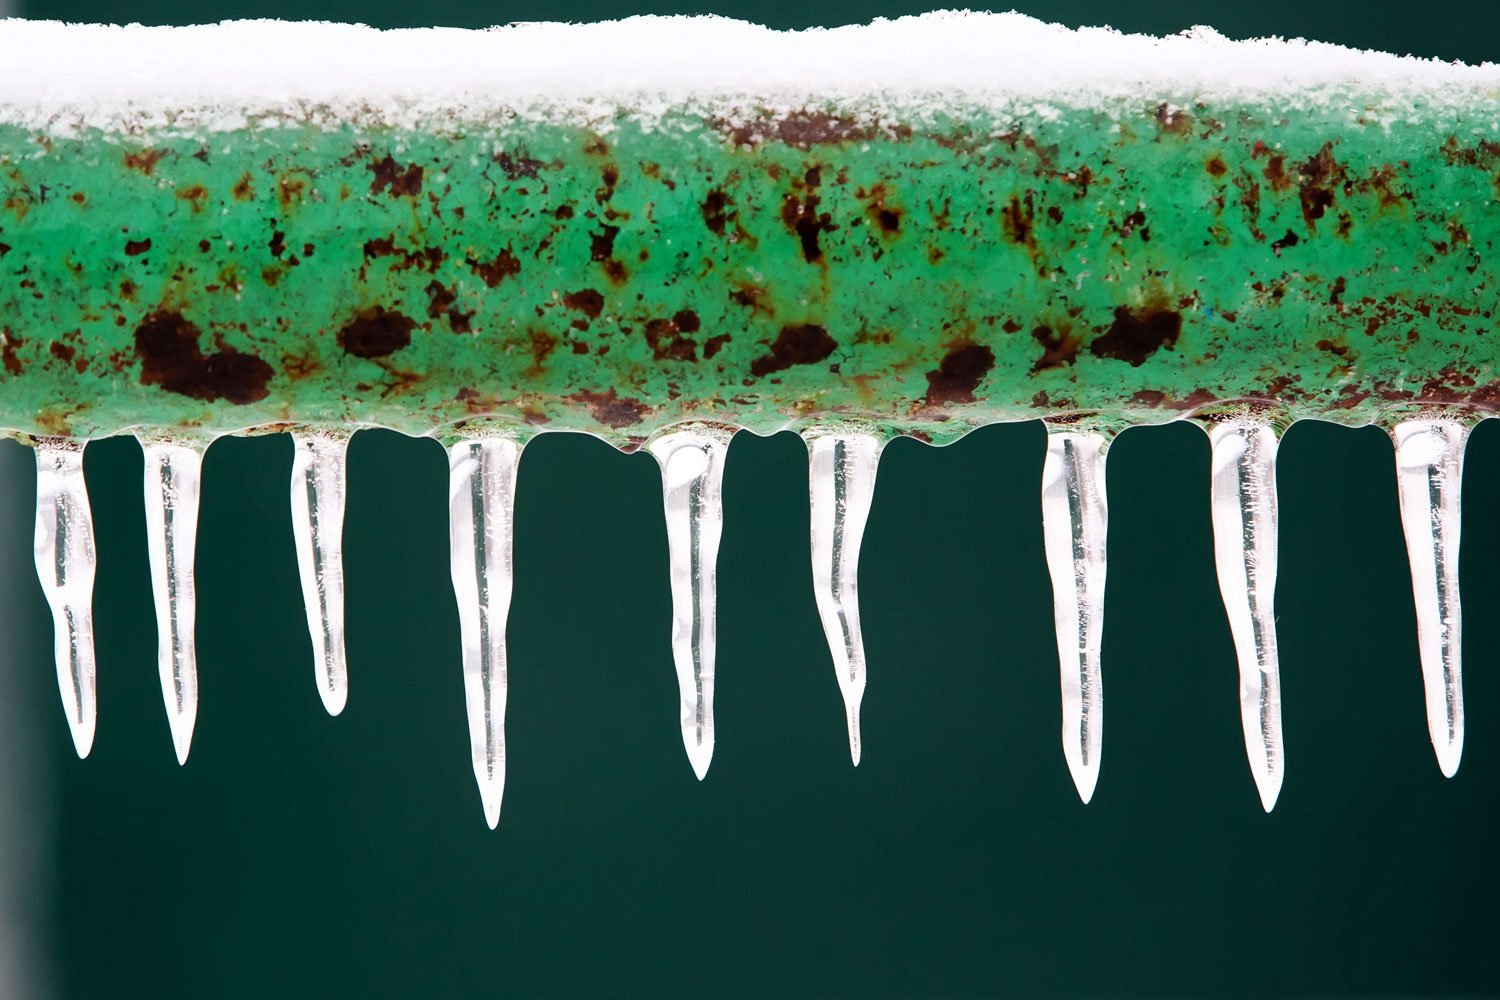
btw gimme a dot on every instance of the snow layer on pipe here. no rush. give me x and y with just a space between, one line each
69 77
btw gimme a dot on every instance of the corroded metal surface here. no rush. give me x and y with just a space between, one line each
1125 264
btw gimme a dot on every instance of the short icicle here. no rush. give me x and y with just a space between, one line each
1429 470
318 491
173 476
1075 519
841 484
692 469
1244 526
65 565
481 511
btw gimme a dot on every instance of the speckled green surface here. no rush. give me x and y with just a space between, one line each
1134 263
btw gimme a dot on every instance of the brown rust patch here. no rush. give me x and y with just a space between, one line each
802 217
804 344
375 333
799 129
277 246
1316 181
1172 120
1136 334
959 374
1058 348
167 346
134 248
243 190
667 337
8 344
611 409
62 352
517 164
1216 166
585 300
195 195
504 265
399 181
144 160
712 345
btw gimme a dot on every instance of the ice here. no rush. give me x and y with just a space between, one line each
841 482
65 566
1075 521
1430 470
481 512
692 471
1244 526
318 489
173 475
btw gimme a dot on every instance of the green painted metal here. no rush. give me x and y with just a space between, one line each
1124 264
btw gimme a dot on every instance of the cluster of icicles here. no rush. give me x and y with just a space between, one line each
482 480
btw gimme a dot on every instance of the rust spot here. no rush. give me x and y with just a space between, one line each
610 176
145 161
1216 166
801 129
666 340
78 197
712 344
805 344
714 216
167 345
1336 293
1174 121
374 333
610 409
802 218
194 194
1316 180
134 248
542 346
400 181
242 190
1135 220
587 301
1017 220
959 374
278 243
440 299
503 266
517 165
8 344
686 320
1136 334
1058 349
1289 240
61 351
1275 172
602 243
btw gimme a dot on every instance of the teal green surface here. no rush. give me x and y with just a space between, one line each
924 275
306 856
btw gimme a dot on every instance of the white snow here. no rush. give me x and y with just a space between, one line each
64 77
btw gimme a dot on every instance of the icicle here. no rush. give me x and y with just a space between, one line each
65 565
1429 470
173 470
1075 518
318 489
841 481
481 508
1244 520
692 469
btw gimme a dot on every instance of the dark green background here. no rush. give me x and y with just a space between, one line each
301 855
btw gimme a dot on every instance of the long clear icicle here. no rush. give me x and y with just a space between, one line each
318 490
692 470
1430 470
173 475
841 483
1075 519
481 510
65 565
1244 523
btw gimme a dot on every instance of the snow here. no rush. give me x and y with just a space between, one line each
66 77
